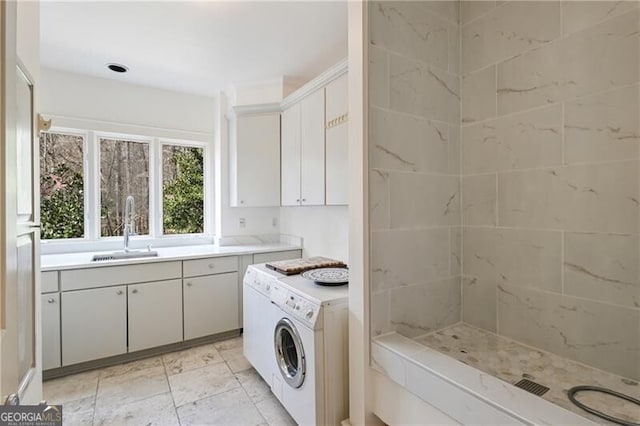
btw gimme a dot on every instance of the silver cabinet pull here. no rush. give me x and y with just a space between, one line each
304 200
51 301
134 291
212 266
298 200
119 292
189 284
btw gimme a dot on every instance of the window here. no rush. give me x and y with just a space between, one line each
124 171
61 185
182 189
166 177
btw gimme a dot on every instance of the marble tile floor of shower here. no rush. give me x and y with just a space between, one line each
211 384
511 361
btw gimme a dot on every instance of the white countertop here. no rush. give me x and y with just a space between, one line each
57 262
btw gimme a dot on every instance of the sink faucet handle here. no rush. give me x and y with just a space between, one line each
148 247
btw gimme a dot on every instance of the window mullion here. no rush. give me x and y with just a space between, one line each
93 182
155 188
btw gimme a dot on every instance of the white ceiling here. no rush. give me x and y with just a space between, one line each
194 47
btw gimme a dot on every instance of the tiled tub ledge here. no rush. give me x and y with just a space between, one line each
472 382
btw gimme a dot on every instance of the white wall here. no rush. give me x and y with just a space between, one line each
324 229
79 96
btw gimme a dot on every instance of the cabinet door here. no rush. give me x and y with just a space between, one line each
290 152
312 149
337 142
255 161
337 165
94 324
337 98
155 314
50 331
210 305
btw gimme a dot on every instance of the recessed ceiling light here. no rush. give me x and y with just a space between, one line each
117 68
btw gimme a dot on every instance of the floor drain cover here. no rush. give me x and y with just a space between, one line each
532 387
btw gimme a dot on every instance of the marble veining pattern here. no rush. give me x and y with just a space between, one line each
415 164
594 333
537 116
210 384
507 31
597 59
404 27
511 361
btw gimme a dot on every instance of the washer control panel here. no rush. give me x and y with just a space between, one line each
295 305
262 282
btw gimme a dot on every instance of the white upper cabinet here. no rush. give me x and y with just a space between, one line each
312 153
254 154
291 156
303 154
337 152
315 142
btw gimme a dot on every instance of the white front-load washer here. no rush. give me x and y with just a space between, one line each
310 340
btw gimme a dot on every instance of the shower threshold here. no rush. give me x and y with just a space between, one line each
512 361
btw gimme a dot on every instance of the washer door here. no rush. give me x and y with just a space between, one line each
290 353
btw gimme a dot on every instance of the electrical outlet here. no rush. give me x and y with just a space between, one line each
274 222
243 222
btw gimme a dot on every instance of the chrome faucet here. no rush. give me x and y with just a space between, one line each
129 220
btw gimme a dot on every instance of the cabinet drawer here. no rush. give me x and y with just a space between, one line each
214 265
116 275
49 282
275 256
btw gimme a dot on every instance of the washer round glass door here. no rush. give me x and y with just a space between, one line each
290 353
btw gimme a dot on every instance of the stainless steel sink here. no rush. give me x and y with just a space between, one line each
119 255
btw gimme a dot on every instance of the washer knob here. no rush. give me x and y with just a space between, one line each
309 314
268 286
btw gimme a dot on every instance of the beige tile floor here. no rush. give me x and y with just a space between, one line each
207 385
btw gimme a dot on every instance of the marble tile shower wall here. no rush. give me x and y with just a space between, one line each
550 179
414 145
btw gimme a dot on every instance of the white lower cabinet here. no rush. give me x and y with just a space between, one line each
210 305
88 324
50 331
155 314
94 324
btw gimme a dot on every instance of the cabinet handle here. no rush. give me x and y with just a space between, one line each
51 301
134 291
241 201
189 284
212 266
119 292
298 200
304 200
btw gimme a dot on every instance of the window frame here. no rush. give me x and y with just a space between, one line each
91 185
96 181
160 182
85 182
